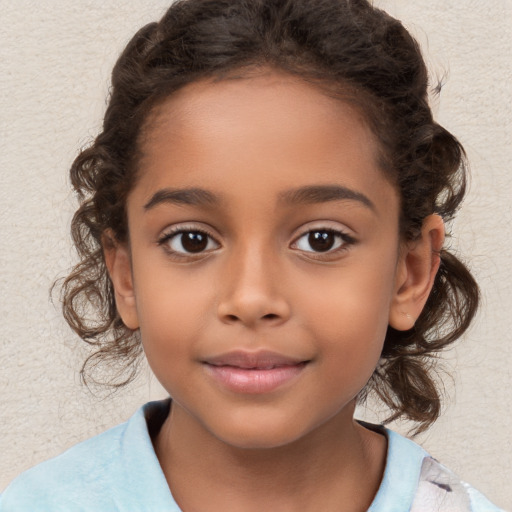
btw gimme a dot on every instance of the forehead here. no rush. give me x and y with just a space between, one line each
269 100
265 128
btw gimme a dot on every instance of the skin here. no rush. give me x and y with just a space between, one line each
260 284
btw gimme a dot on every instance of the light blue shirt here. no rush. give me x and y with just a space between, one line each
118 471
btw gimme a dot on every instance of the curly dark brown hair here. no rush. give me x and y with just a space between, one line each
340 45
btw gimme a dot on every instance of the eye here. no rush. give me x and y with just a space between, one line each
184 241
322 241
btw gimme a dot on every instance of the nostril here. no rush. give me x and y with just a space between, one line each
269 316
250 309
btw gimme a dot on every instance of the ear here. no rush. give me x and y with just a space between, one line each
118 261
416 271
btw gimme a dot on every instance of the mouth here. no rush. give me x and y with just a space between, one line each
254 372
260 360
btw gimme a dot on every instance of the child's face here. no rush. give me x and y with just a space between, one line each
265 257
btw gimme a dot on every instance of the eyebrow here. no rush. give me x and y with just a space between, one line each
310 194
324 193
190 196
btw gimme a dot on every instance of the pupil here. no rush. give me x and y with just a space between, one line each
321 241
194 241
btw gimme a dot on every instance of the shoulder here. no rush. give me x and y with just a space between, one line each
442 490
112 471
60 479
414 481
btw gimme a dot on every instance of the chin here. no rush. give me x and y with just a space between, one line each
259 440
260 435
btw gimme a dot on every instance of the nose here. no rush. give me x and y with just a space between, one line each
252 292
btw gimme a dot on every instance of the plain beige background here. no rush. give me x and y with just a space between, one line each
56 58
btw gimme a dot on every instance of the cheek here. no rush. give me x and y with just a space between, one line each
350 298
172 313
350 313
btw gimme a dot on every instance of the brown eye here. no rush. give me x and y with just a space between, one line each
188 241
194 241
321 241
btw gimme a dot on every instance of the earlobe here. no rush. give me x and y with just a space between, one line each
417 269
118 261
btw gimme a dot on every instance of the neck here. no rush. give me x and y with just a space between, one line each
338 466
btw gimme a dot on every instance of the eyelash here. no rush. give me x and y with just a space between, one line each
165 240
344 241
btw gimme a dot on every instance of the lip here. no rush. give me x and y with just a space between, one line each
253 372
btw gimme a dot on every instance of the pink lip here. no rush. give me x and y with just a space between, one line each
253 372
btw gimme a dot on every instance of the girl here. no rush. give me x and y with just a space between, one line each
263 214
